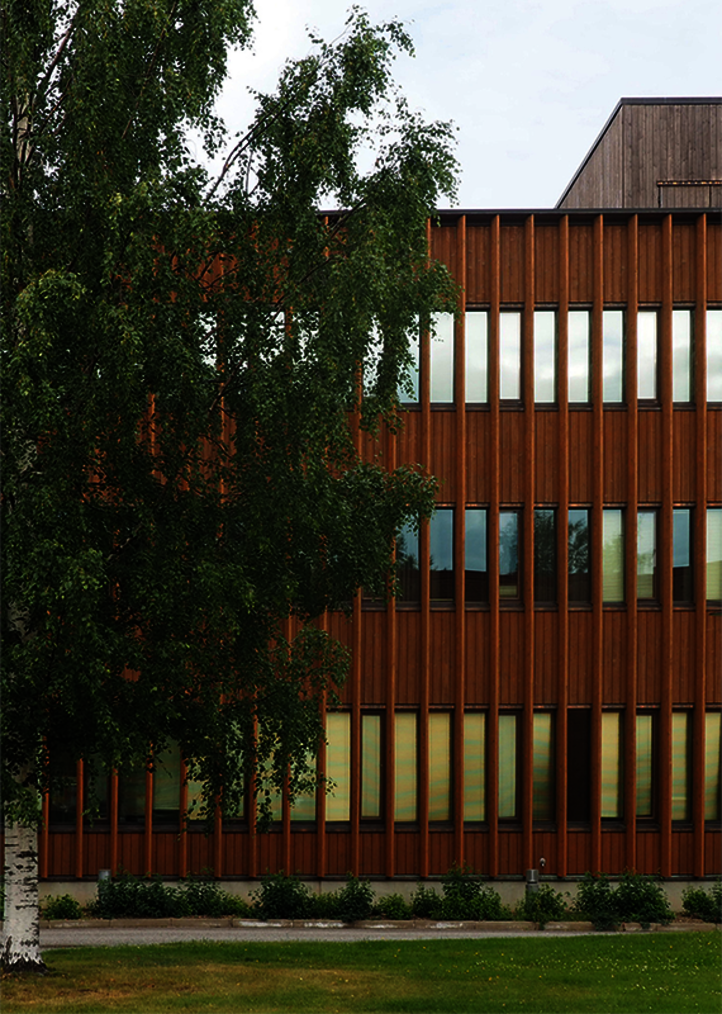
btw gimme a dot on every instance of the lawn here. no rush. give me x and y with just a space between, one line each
618 974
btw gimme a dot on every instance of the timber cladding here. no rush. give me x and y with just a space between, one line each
551 685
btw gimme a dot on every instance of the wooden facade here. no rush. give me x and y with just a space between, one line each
648 660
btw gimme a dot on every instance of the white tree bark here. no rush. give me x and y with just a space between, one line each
21 944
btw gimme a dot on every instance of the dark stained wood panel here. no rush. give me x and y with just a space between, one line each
477 657
649 456
615 265
373 845
512 264
649 656
478 285
581 262
650 262
546 457
683 853
510 851
613 850
443 247
443 455
714 258
684 475
580 853
615 656
476 850
714 653
374 633
615 456
546 660
714 444
546 263
441 852
478 457
581 442
408 658
443 657
684 660
511 659
684 262
511 426
580 654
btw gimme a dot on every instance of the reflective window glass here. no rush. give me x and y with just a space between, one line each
644 766
647 354
509 578
646 554
371 767
441 552
580 584
477 356
680 766
405 780
714 554
474 765
612 355
714 355
682 582
510 356
682 355
545 556
543 763
611 765
304 806
167 786
507 767
578 368
712 727
409 391
441 358
475 547
407 565
338 765
545 356
612 556
439 765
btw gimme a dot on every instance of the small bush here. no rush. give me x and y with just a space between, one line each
466 897
595 901
129 897
703 904
324 906
283 897
426 903
641 899
393 906
64 906
355 900
542 906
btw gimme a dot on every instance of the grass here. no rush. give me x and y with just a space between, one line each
658 973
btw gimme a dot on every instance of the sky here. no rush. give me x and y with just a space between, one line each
529 85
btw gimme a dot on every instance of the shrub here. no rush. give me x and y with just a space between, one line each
426 903
595 901
131 897
206 897
64 906
324 906
466 897
283 897
542 906
355 900
393 906
703 904
641 899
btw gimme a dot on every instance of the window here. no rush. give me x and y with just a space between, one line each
338 765
64 789
612 355
645 744
509 577
409 392
682 581
131 796
477 356
441 358
545 556
579 577
543 765
680 766
371 784
611 765
712 727
714 554
407 566
612 556
476 578
474 765
439 765
441 551
578 368
579 765
714 355
304 806
545 356
508 803
646 555
405 771
166 786
682 355
510 356
647 355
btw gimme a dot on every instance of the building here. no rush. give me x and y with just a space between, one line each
548 682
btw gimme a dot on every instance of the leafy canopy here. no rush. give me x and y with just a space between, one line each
180 360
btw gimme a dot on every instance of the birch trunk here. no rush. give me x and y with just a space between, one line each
21 946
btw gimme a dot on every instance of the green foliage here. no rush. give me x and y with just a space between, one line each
703 904
426 903
355 900
393 906
62 906
129 897
467 897
282 897
542 906
637 898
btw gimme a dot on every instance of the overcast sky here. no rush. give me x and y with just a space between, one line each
528 84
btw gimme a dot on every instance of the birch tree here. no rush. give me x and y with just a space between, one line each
181 358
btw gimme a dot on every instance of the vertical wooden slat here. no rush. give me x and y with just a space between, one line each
630 725
425 569
597 505
79 842
391 691
183 828
148 835
493 559
664 543
563 528
527 575
321 843
356 737
460 550
700 547
114 843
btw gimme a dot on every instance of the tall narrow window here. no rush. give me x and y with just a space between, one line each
96 795
646 555
508 809
370 767
580 583
167 785
543 762
714 355
578 369
611 765
477 356
405 780
612 556
476 579
442 358
407 566
509 577
647 355
195 788
338 765
409 391
510 356
680 766
579 761
644 806
612 355
712 728
439 765
682 582
682 355
714 554
474 765
64 790
304 806
545 556
545 356
441 551
131 796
